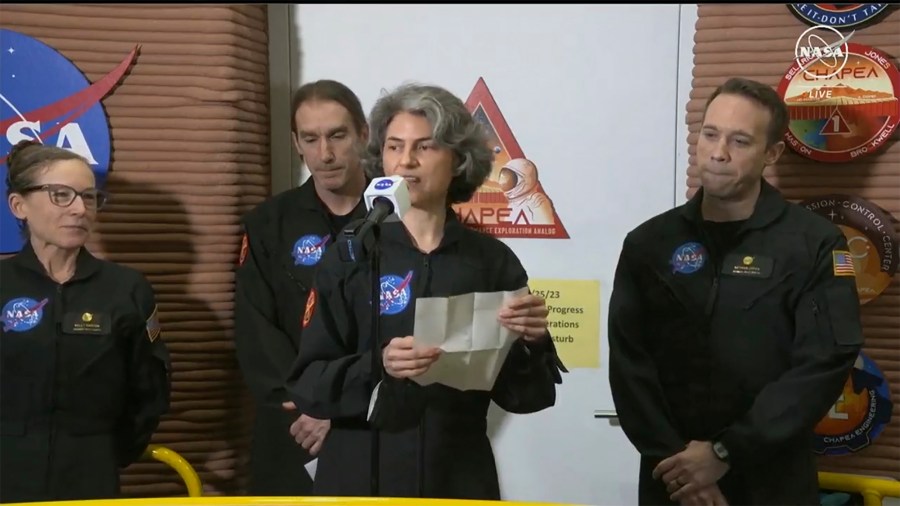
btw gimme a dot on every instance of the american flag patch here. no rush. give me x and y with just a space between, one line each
843 263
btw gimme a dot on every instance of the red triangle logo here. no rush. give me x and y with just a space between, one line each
836 124
512 202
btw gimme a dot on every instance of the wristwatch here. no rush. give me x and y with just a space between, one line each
720 451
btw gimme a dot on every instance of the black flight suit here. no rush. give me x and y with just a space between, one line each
286 238
434 443
745 337
85 377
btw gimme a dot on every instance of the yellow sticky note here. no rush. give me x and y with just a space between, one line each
574 319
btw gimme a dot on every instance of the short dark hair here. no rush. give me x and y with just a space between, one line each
327 89
452 127
27 159
761 94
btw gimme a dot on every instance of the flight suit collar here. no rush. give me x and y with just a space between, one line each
86 264
769 206
309 199
453 230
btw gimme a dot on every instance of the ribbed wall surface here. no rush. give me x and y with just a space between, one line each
190 138
757 42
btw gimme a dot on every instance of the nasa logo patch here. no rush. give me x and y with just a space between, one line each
47 98
22 314
384 184
688 258
395 293
308 249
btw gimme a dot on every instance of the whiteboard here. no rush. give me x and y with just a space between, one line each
591 94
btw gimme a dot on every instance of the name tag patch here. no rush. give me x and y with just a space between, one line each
86 323
750 266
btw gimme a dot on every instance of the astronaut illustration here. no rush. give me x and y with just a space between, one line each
527 203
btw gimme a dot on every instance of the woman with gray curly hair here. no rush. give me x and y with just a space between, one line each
433 439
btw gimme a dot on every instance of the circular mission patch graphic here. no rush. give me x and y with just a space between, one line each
840 117
870 237
860 413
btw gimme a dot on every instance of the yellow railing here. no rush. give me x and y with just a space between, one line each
288 501
180 465
873 490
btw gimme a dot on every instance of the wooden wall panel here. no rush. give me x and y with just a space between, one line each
190 141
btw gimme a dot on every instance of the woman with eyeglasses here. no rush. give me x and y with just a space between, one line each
84 372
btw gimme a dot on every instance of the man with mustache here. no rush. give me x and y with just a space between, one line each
284 239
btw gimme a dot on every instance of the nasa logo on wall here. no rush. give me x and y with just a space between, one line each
838 15
860 413
871 239
45 97
840 116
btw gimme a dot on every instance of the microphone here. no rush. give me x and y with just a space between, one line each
387 199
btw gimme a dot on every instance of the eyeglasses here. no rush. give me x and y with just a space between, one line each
63 195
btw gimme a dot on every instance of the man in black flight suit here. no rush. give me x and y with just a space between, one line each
734 323
284 239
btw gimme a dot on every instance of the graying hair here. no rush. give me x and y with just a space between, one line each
453 127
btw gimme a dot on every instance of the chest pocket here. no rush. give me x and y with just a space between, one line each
753 281
87 338
24 373
466 273
93 356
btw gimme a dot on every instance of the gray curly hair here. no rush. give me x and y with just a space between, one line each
453 127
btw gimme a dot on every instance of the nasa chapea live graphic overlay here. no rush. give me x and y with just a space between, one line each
843 102
860 413
839 15
871 239
512 202
45 97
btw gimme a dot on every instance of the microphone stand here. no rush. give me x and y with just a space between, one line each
362 242
375 259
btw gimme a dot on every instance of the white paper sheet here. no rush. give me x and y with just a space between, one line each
473 341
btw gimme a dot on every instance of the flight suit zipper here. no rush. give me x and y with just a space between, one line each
297 281
714 289
708 310
420 460
54 384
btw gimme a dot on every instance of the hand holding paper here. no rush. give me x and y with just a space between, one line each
526 315
473 338
404 358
